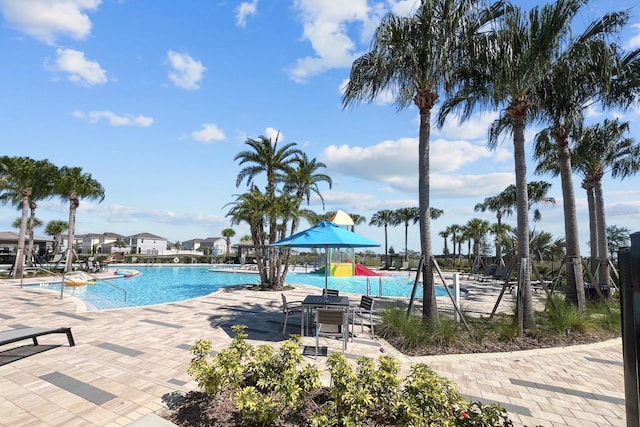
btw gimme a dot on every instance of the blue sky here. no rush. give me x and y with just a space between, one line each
155 98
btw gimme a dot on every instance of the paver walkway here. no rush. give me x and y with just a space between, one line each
126 360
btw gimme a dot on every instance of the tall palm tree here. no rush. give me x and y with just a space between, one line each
617 237
502 69
405 216
264 156
544 247
445 235
55 229
17 178
73 184
581 74
603 149
477 229
303 180
537 191
454 231
412 57
502 207
383 218
228 233
357 220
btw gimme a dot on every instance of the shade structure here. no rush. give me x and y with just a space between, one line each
326 235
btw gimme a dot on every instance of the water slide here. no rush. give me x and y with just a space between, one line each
361 270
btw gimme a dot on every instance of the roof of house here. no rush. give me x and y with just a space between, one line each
147 236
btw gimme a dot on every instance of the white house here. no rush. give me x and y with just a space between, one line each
218 245
147 244
95 243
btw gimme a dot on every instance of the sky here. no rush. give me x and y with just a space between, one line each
155 98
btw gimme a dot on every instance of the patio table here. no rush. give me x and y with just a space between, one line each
320 301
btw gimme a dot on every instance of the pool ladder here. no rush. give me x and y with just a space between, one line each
379 286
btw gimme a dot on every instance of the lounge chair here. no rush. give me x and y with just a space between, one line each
404 266
15 335
475 270
489 272
332 323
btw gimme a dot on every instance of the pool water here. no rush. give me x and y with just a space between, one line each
165 284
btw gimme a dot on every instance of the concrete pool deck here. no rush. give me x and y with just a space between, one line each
126 361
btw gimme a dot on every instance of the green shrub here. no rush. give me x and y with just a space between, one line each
411 329
269 384
266 382
565 318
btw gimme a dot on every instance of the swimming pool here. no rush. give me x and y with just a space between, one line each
165 284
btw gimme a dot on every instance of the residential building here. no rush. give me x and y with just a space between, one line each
211 245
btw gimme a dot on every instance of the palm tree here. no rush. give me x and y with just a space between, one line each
453 230
383 218
617 237
477 229
502 69
17 178
412 57
581 74
405 216
544 247
501 207
357 220
537 191
264 156
55 229
445 235
73 184
303 180
228 233
601 149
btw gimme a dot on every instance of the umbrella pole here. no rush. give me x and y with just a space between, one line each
326 268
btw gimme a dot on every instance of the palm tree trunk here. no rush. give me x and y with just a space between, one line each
602 235
522 203
386 252
593 229
498 243
30 226
425 101
73 205
406 242
575 285
18 266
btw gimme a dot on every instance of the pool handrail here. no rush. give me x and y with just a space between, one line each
95 279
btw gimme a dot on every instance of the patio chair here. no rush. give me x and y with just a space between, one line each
332 323
331 292
362 312
289 308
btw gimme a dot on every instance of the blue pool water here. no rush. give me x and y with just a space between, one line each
164 284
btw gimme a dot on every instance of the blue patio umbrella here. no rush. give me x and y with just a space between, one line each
326 235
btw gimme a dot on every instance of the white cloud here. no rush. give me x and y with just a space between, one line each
403 7
274 134
210 132
114 119
395 164
325 26
79 69
474 128
634 41
186 72
244 10
45 20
